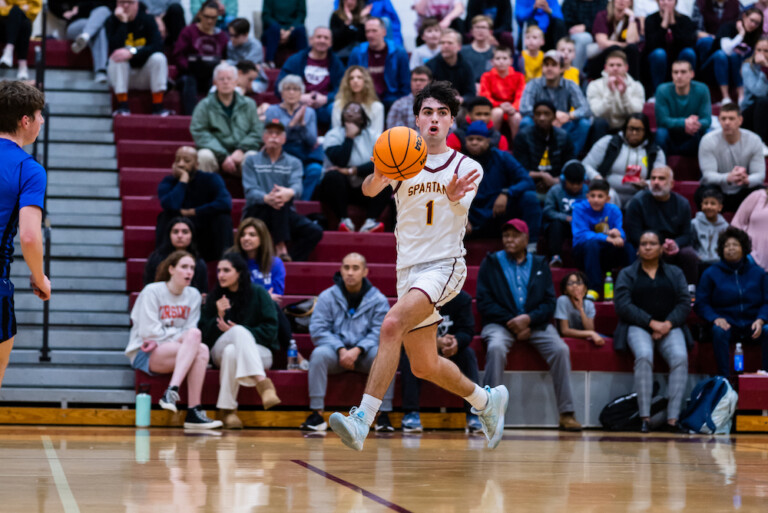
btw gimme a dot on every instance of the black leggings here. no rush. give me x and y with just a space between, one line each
759 123
16 30
337 193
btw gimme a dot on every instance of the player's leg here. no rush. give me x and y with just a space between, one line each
5 354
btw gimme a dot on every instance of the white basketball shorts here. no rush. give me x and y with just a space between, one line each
440 281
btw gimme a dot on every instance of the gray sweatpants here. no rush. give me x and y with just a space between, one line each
550 346
153 75
93 25
673 350
324 360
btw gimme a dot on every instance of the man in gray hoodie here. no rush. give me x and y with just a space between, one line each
345 328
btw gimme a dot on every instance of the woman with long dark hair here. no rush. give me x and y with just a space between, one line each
181 236
348 26
239 324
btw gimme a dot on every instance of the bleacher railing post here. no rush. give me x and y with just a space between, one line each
40 53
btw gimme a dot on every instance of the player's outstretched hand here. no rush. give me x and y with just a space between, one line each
41 289
459 187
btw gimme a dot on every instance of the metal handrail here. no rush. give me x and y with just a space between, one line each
40 65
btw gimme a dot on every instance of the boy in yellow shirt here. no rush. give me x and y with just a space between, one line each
533 57
567 49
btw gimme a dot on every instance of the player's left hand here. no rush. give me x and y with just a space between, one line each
459 187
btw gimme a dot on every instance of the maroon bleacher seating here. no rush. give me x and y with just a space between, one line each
59 55
753 392
148 154
146 127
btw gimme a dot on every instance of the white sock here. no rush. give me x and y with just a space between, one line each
370 406
478 398
8 54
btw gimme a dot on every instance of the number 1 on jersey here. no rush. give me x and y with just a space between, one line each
430 211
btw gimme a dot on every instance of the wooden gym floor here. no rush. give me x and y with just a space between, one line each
91 469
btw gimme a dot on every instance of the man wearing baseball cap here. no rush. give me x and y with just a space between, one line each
572 114
507 191
516 301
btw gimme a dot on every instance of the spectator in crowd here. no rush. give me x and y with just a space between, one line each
384 10
446 12
136 58
616 28
181 237
283 24
755 101
85 26
579 15
271 180
545 14
516 300
652 303
430 33
752 217
558 209
169 16
479 52
669 215
357 86
300 124
239 325
735 41
707 225
572 113
345 331
242 45
733 297
386 62
709 15
506 192
347 25
504 87
533 56
200 48
500 11
479 109
225 125
669 36
321 70
616 94
574 311
567 49
543 148
683 112
450 65
250 79
401 112
625 160
227 10
161 343
16 17
454 335
731 158
201 197
599 242
348 149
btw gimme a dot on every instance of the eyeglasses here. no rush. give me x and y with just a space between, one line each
635 129
572 283
208 17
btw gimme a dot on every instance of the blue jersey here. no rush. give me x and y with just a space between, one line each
22 184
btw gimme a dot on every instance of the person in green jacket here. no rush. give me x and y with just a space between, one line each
225 125
239 323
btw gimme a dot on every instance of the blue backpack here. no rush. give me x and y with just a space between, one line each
711 407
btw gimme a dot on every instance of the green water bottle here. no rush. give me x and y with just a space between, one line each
608 287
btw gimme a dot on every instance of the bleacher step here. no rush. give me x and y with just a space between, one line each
80 163
81 123
76 338
75 269
100 251
80 284
65 301
91 236
83 192
86 220
67 177
74 318
101 152
70 357
49 376
78 136
66 395
92 207
78 98
64 109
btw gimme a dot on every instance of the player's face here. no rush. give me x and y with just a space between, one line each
226 274
514 241
181 236
249 240
353 270
33 128
434 120
182 273
477 145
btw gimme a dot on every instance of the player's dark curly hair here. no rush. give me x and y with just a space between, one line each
441 91
734 233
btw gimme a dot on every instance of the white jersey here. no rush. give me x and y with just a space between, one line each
429 226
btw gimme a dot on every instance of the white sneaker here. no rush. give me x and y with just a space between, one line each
6 61
100 77
492 417
372 226
79 44
726 101
346 225
352 429
22 74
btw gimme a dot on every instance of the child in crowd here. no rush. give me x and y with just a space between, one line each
430 32
707 225
479 109
574 311
567 49
503 86
533 57
599 242
558 208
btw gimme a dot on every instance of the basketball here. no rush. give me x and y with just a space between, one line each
400 153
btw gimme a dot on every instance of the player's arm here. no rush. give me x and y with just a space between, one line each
375 183
30 219
461 191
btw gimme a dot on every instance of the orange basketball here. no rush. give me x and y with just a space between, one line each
400 153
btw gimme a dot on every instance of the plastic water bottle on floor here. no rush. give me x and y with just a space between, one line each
738 359
608 287
293 356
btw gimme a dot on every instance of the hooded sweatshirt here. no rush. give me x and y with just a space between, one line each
704 236
738 293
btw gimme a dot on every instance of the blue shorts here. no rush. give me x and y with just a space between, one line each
141 362
7 312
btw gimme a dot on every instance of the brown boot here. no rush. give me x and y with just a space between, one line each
568 422
268 393
230 419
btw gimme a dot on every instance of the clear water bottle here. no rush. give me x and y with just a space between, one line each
143 407
738 359
293 356
608 287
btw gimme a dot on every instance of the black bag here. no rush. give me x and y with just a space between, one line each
299 314
623 414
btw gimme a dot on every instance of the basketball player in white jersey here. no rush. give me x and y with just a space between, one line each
432 212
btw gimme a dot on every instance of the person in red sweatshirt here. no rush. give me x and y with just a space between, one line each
504 87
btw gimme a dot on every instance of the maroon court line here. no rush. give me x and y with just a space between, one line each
353 487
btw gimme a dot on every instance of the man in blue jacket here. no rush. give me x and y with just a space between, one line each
321 70
507 190
516 301
387 63
345 330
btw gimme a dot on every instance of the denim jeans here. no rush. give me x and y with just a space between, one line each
578 130
596 257
271 40
721 340
659 65
686 145
727 68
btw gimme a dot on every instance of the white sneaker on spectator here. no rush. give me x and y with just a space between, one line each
22 74
372 226
79 44
100 77
346 225
652 99
726 101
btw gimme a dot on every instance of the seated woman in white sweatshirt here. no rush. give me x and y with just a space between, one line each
165 339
